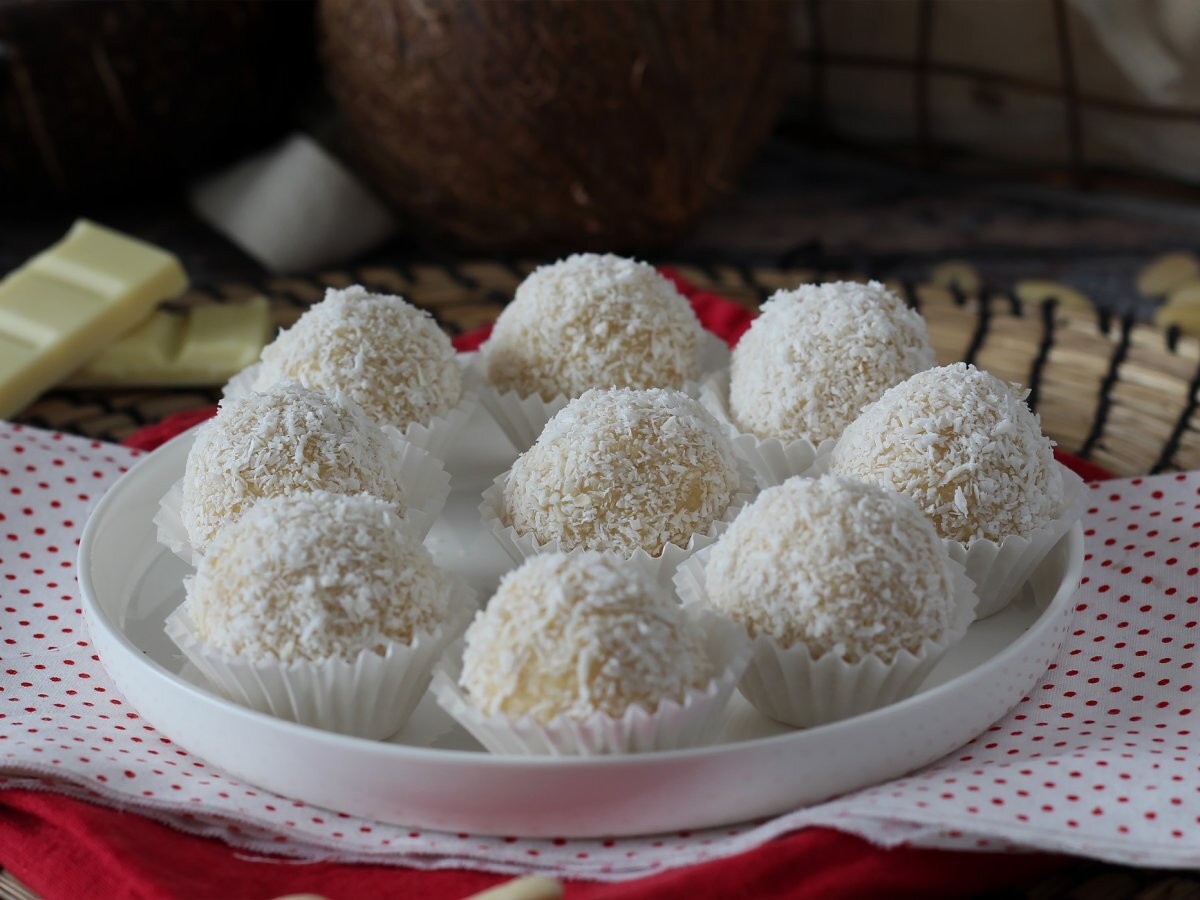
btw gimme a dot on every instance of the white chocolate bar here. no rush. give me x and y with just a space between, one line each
62 307
203 346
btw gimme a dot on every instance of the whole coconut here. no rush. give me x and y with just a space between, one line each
549 125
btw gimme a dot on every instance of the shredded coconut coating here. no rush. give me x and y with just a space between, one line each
288 440
837 564
964 445
620 470
316 576
820 353
594 321
381 351
576 634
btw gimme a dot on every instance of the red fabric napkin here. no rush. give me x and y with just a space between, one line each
67 848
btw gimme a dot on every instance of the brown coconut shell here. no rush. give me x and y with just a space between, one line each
536 124
112 97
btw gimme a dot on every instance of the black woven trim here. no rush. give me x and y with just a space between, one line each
806 255
81 399
403 271
208 292
1172 337
1014 303
331 278
982 323
458 276
449 327
1048 309
290 297
752 282
374 287
513 269
710 271
113 409
1171 447
1100 417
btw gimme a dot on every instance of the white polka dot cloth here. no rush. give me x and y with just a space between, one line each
1100 759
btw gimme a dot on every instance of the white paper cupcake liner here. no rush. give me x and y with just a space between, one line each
661 566
788 685
673 725
999 569
774 460
168 521
370 696
425 483
434 436
523 418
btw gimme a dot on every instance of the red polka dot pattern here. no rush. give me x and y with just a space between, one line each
1099 758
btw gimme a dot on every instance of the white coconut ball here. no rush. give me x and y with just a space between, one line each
581 633
594 321
818 354
837 564
316 576
286 440
381 351
964 446
623 470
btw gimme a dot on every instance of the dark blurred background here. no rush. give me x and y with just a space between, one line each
1035 138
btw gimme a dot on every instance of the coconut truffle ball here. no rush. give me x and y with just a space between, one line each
965 447
385 354
315 576
836 564
818 354
592 321
287 440
574 634
623 470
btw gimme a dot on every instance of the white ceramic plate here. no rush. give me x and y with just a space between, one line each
433 775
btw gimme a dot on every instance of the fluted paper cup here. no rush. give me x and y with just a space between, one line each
671 726
790 686
999 569
371 695
774 460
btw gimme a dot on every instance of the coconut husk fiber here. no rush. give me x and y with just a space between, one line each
535 124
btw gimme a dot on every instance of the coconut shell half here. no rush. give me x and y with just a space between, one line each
534 124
